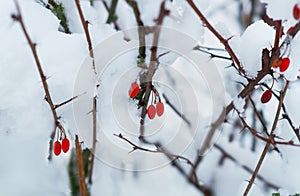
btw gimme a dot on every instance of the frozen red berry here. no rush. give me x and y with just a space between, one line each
285 63
65 145
296 12
160 108
290 29
266 96
134 90
57 148
151 111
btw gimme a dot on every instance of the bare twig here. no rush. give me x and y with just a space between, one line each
221 39
48 98
87 33
263 155
81 175
212 55
141 31
176 111
171 155
91 52
65 102
230 157
91 167
152 67
112 17
108 11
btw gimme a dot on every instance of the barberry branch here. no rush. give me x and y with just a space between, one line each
152 66
141 31
18 17
174 157
246 168
91 52
65 102
86 32
264 153
80 166
176 111
267 61
207 24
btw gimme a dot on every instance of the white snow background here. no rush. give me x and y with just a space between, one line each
26 121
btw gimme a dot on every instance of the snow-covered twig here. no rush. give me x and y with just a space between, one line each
18 17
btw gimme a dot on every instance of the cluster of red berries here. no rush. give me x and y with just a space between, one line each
155 108
62 142
64 145
158 110
281 63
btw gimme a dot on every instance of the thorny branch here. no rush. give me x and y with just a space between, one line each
152 67
217 35
264 153
170 155
18 17
230 157
91 52
176 111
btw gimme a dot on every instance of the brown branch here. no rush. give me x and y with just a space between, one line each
159 149
278 34
263 155
81 175
18 17
141 31
93 150
176 111
266 69
217 35
152 67
91 52
260 118
65 102
86 32
230 157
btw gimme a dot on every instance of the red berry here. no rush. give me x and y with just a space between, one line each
266 96
160 108
134 90
57 148
65 145
296 12
290 29
284 64
151 111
